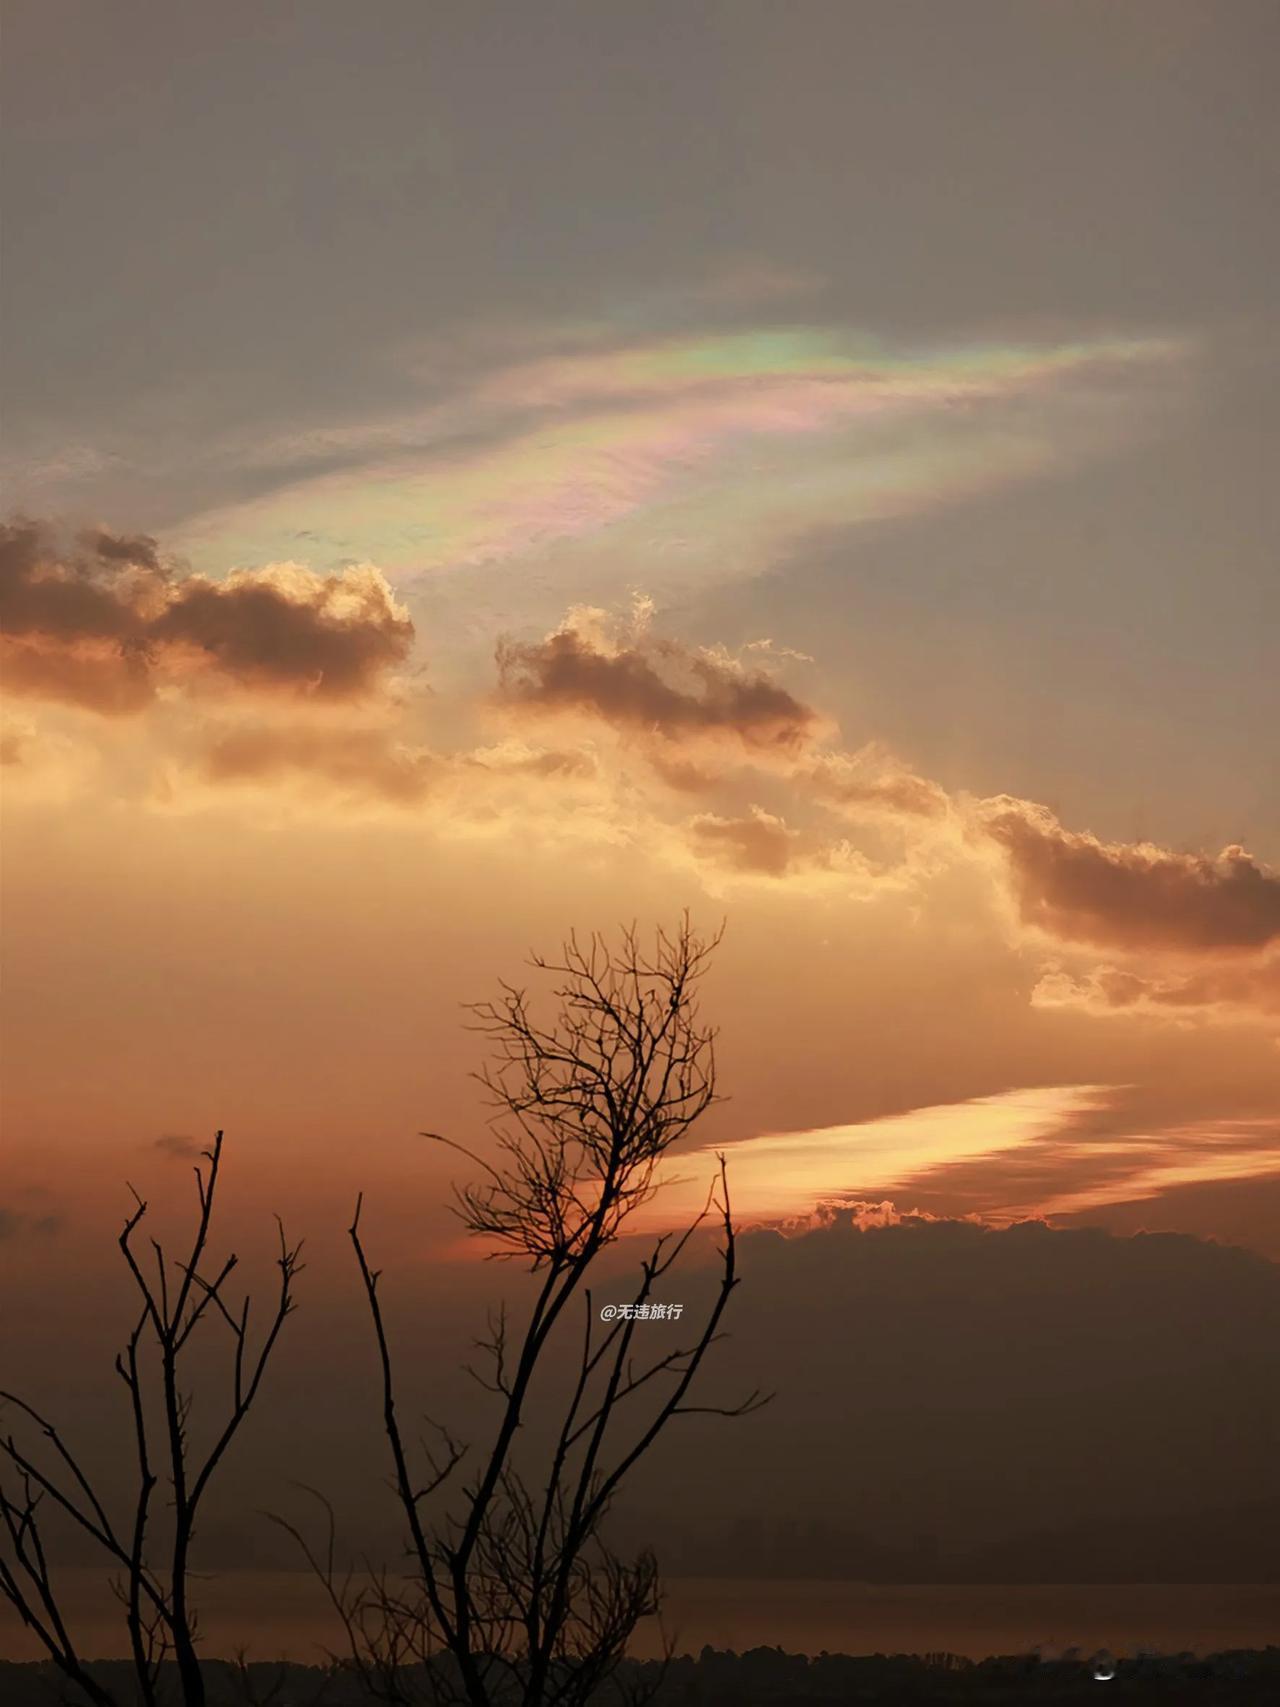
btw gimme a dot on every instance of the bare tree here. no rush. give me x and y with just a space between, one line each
512 1592
175 1300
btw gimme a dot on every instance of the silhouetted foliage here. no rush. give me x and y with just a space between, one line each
768 1677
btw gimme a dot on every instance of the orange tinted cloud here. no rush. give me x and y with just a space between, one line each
1088 1174
359 761
100 622
105 621
1239 989
374 763
653 686
874 781
1017 1155
783 1174
755 842
1132 895
109 678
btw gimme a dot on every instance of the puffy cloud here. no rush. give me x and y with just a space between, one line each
644 685
82 593
106 620
138 549
859 1216
699 714
757 842
101 622
333 636
872 780
73 623
1249 989
113 682
1131 895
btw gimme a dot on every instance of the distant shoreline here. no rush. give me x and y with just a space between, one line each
764 1677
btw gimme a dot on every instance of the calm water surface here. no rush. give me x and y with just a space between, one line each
282 1615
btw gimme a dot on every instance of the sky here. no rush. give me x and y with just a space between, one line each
478 471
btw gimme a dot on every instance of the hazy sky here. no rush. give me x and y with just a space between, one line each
472 471
476 470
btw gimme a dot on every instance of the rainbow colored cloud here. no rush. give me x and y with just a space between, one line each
711 441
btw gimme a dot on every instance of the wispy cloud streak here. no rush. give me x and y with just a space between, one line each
524 455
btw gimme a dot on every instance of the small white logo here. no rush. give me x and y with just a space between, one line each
641 1312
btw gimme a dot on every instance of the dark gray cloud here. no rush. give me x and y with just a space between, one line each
95 623
316 639
16 1223
657 687
180 1146
936 1381
138 549
934 1376
1132 895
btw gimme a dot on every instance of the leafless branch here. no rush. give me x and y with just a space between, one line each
518 1588
159 1617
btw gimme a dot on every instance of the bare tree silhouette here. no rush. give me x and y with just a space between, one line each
512 1592
161 1621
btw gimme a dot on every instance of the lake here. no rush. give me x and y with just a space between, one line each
282 1615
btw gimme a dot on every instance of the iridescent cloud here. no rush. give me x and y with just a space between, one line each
563 447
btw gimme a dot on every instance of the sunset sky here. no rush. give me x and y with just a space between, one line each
474 471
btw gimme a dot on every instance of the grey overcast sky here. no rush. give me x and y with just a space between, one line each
242 210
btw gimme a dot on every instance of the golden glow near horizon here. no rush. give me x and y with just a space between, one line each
275 689
779 1176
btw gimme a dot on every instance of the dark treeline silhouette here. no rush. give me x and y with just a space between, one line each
508 1589
761 1677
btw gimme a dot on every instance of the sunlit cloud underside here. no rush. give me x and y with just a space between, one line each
776 1176
977 1157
